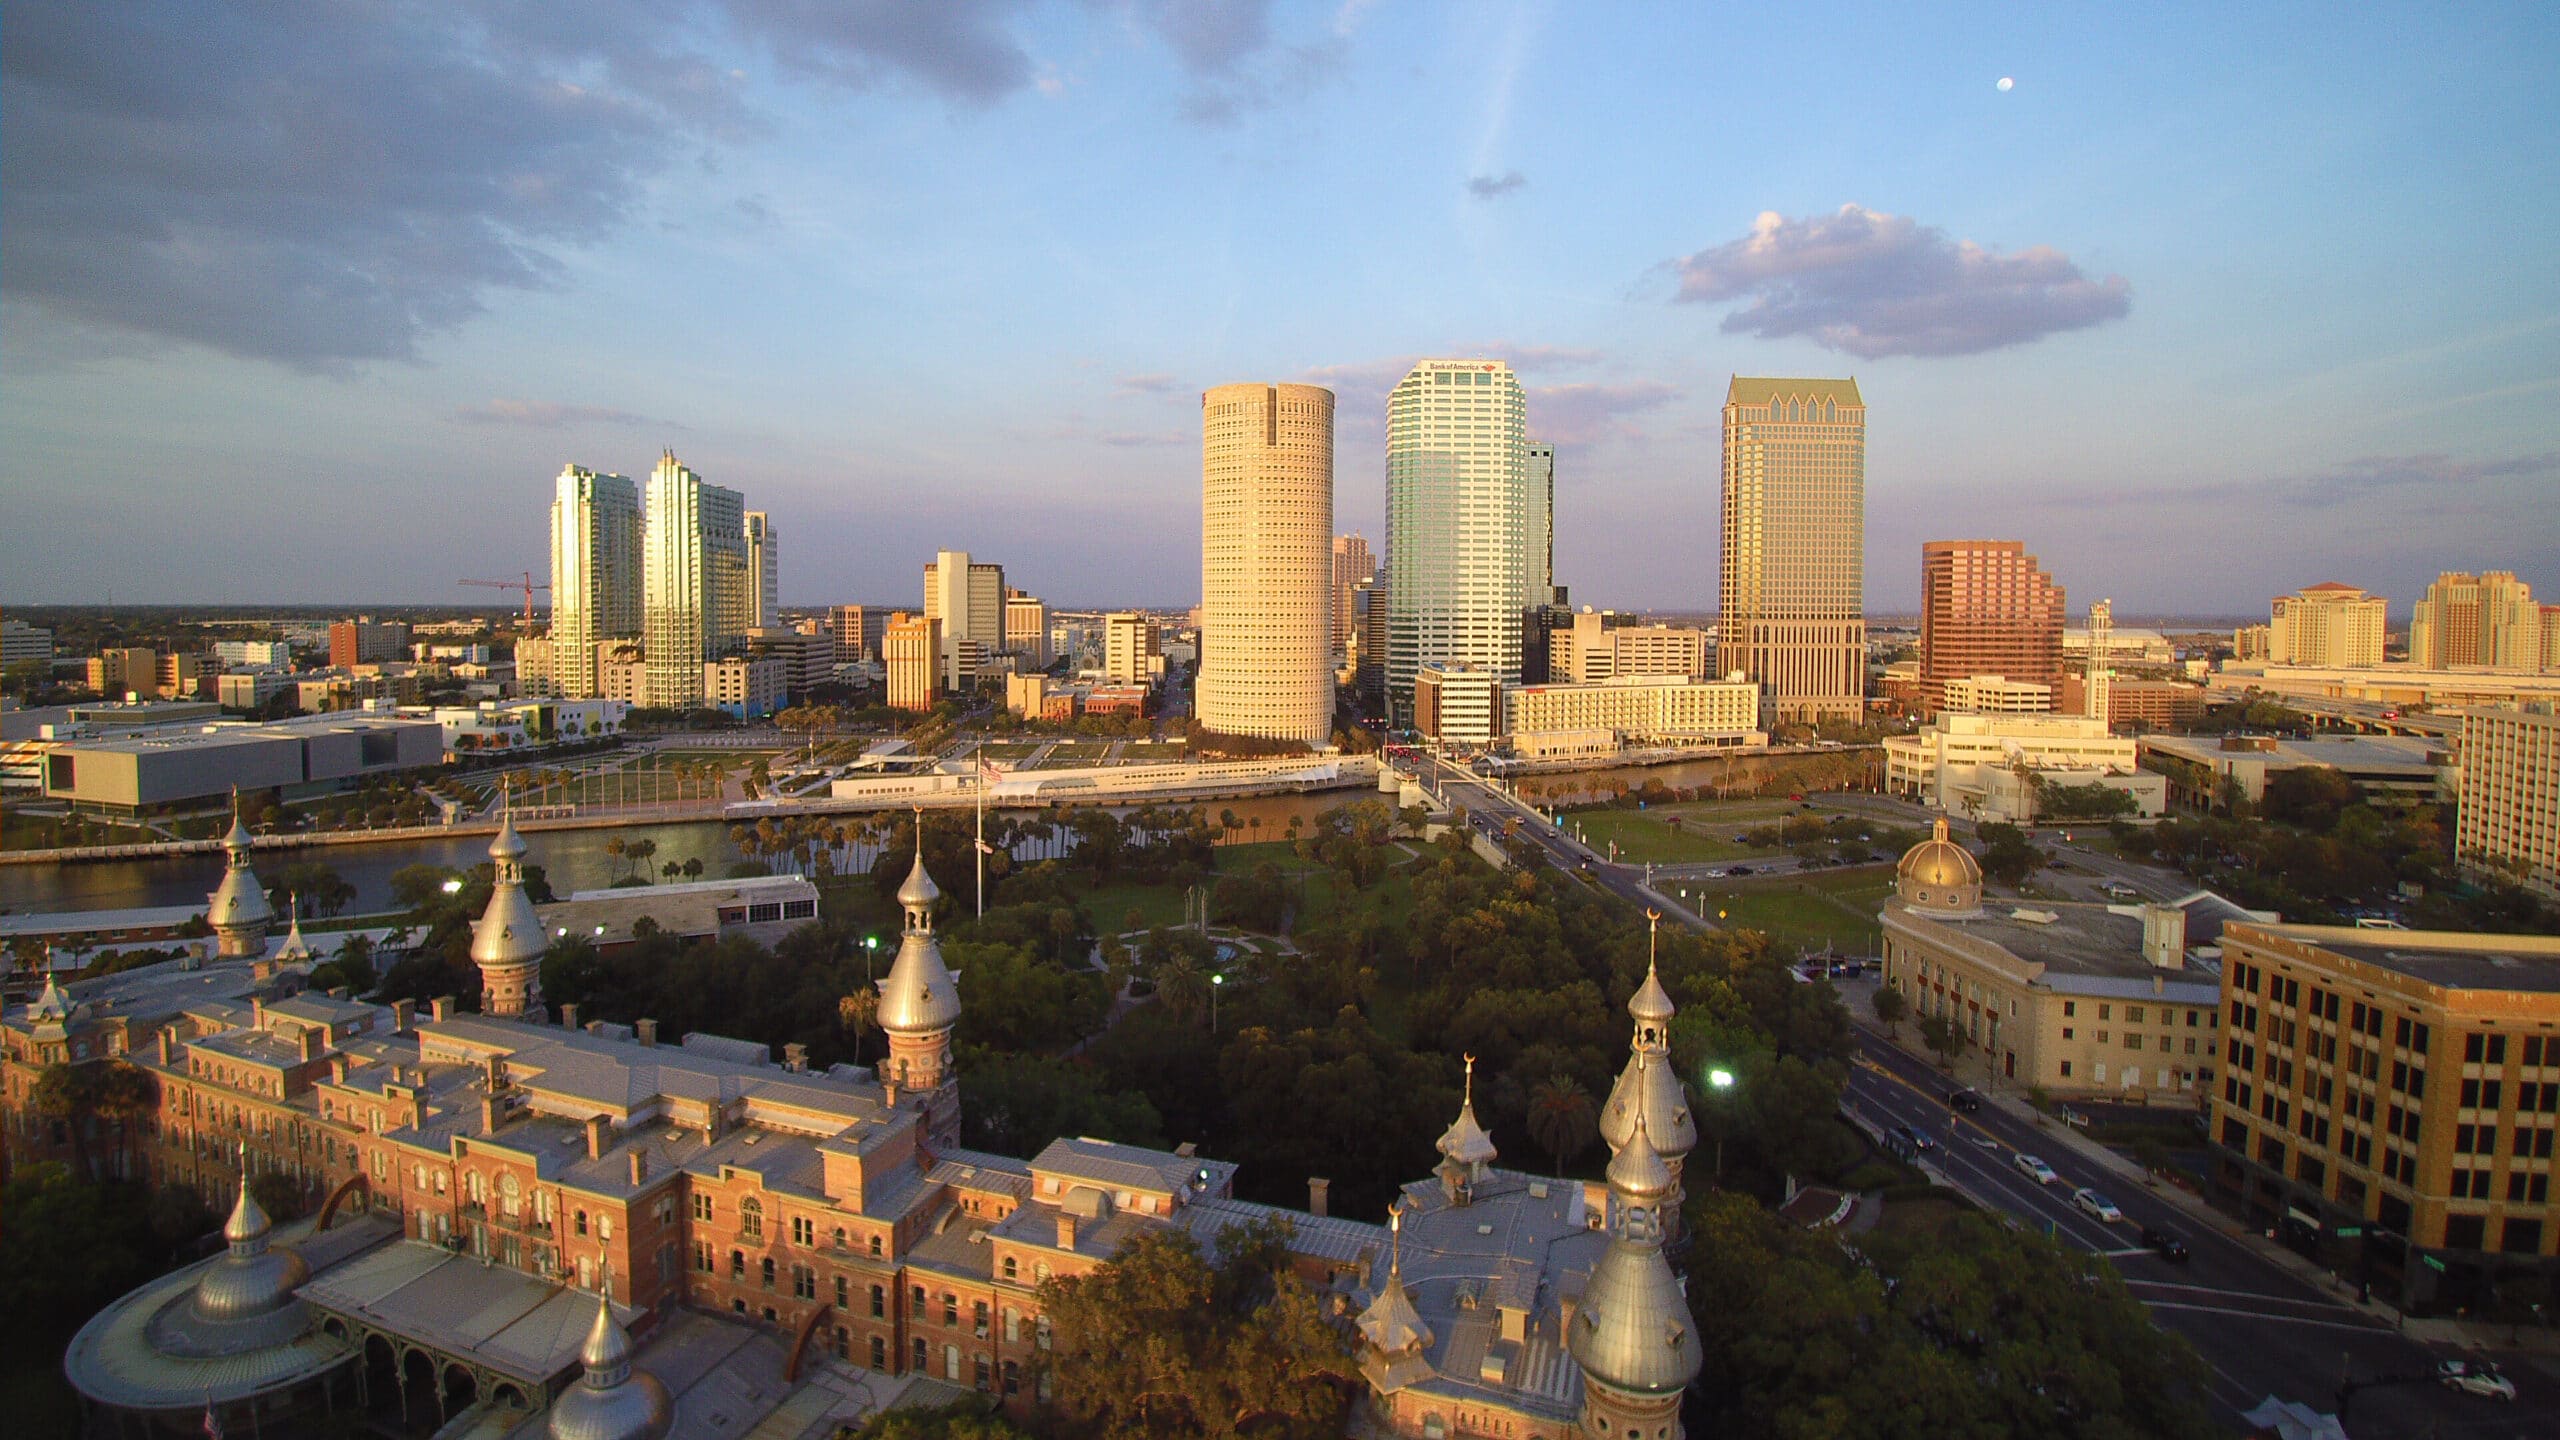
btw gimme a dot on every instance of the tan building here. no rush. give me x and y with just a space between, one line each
1353 562
2081 1001
2488 619
911 652
967 598
2408 686
2388 1103
2251 642
1994 695
748 687
1267 562
2509 815
1962 763
1601 645
1131 652
1458 705
1987 608
1793 613
1637 709
132 670
595 576
2327 624
2197 766
1026 629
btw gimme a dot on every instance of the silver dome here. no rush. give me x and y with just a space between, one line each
920 994
253 1279
612 1401
1650 1090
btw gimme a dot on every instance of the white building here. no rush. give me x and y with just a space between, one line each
2509 817
1998 695
694 582
747 687
241 654
250 689
1266 562
1461 524
968 599
1129 648
1954 764
1458 704
595 574
1637 709
764 570
2327 624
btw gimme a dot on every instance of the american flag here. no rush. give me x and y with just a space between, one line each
212 1422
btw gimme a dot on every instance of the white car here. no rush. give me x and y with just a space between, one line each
2476 1377
2096 1206
2036 1170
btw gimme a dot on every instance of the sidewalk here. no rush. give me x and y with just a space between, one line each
2470 1335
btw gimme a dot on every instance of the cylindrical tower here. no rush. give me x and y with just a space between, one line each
238 910
1266 561
508 942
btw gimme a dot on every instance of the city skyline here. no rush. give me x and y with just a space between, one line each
2108 277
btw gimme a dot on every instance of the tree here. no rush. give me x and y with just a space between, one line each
1890 1007
1165 1340
959 1420
1562 1118
1941 1035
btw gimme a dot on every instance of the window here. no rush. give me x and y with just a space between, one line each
875 1247
2066 1069
950 1309
879 1302
1012 1267
2070 1008
703 1259
804 1282
2484 1049
978 1319
579 1225
2522 1237
2066 1032
737 1264
804 1231
2465 1232
879 1353
844 1293
916 1302
920 1354
766 1269
2480 1094
751 1218
701 1206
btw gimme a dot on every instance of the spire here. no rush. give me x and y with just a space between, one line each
254 1279
1465 1141
1390 1323
508 942
237 909
1651 1004
248 1226
1632 1335
52 1004
918 894
607 1353
613 1401
295 948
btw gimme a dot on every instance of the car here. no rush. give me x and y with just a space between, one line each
1739 870
1910 1135
2036 1170
1964 1100
2096 1206
2476 1377
2164 1243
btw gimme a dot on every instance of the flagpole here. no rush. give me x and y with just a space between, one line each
977 753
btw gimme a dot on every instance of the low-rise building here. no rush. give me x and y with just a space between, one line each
808 659
1659 709
749 687
2389 1103
2508 818
763 908
250 690
2405 686
1949 766
22 641
2408 766
1457 704
299 756
1997 695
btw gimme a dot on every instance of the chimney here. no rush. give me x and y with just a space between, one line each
795 1058
337 992
568 1017
257 1013
337 1069
889 1093
1319 1196
1066 1231
599 1133
639 1166
401 1013
440 1009
645 1031
488 1114
168 1047
310 1039
716 1124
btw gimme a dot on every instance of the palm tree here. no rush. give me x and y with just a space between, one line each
855 1012
1184 987
1562 1117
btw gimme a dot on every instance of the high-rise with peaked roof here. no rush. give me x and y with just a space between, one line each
2487 619
1267 562
1986 608
1793 581
595 573
1462 537
695 604
2326 624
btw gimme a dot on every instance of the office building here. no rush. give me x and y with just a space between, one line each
1267 562
1130 651
1460 524
1986 608
856 629
1458 705
1633 710
911 653
694 599
1352 563
2407 687
2488 619
183 675
749 686
1994 695
2508 819
20 641
307 755
2326 624
1792 591
2136 706
1026 630
125 670
252 652
2083 1001
1542 524
595 574
764 571
2388 1101
1540 625
967 598
1370 673
1970 764
2200 767
362 641
1596 645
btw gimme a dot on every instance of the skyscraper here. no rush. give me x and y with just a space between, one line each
1267 560
1352 563
968 598
2486 619
2325 624
1793 614
1460 526
595 573
1986 608
764 568
1542 525
911 654
694 599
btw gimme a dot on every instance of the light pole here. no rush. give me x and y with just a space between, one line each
1720 1081
1216 984
870 948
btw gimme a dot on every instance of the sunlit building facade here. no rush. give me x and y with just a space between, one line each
1461 524
1793 585
1267 562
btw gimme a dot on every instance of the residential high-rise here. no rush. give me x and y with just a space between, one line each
1026 629
1461 533
969 601
911 653
1130 650
595 573
1986 608
694 599
2487 619
2509 816
2328 624
1793 613
857 631
1267 561
764 569
1352 563
1542 523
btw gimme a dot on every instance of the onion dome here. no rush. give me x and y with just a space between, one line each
612 1401
920 995
1637 1174
1939 876
919 892
1633 1333
1650 1097
509 845
509 932
1651 1004
1465 1141
252 1280
240 902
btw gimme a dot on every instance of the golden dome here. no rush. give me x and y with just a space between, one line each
1939 875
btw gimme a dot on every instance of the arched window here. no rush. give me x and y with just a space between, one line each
768 1272
751 1219
875 1246
1012 1267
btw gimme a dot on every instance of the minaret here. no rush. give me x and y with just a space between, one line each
1466 1151
295 950
1649 1092
508 943
1394 1332
612 1401
238 910
919 1005
1632 1334
254 1278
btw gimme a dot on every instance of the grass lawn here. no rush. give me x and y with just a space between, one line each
1077 752
1643 835
1801 913
1923 1214
1010 749
1152 750
1391 896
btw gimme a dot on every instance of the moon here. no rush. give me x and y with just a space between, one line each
2006 85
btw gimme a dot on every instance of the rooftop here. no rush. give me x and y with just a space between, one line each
2086 949
2370 754
2454 960
1760 390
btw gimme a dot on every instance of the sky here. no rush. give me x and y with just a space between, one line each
308 302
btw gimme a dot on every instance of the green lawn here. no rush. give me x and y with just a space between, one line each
1152 750
1109 905
1803 913
1643 835
1010 749
1078 752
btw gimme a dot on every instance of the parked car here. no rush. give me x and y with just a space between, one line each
2096 1206
2476 1377
2036 1170
1964 1100
2164 1243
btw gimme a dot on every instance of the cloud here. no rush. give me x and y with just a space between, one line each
1147 384
1227 49
963 48
1589 414
1494 187
550 415
1873 285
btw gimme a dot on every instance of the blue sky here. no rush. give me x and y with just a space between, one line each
309 303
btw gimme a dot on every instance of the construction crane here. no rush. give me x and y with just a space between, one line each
526 585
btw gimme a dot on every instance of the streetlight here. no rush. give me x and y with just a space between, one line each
1720 1080
453 886
1216 983
870 947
